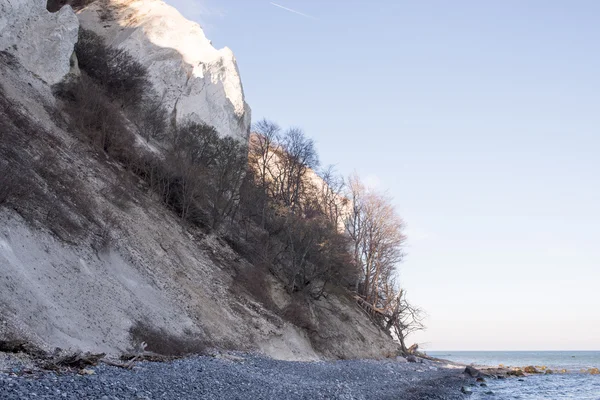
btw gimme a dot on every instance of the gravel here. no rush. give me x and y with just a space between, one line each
241 376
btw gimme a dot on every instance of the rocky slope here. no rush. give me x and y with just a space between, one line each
195 80
92 262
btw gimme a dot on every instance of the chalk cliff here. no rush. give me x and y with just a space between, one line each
89 259
196 81
41 41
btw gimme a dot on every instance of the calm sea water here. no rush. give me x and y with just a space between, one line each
574 385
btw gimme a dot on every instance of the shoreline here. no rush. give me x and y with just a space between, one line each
234 375
220 374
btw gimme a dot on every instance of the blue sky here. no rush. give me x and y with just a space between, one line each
480 118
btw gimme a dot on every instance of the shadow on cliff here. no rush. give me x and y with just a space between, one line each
200 92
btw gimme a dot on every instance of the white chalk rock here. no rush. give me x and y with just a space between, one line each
41 41
196 81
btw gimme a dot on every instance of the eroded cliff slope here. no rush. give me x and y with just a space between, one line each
91 260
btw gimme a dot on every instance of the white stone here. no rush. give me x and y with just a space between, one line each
41 41
196 81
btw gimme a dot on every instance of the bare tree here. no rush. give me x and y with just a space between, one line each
263 144
376 233
354 223
300 239
331 196
95 117
296 157
314 254
405 319
205 173
262 149
191 153
124 78
183 186
150 118
196 143
281 163
225 179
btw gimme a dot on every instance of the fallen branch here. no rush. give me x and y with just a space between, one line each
117 364
74 360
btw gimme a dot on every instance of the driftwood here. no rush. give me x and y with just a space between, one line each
73 360
129 359
414 349
78 360
55 361
146 356
140 354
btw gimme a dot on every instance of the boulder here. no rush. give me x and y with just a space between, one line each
401 359
411 359
531 370
472 371
41 41
466 390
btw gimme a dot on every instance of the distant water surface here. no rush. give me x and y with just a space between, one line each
574 385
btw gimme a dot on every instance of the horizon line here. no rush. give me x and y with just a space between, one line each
489 351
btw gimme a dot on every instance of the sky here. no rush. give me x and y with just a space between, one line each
481 119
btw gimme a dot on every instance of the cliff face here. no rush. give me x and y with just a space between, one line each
41 41
88 258
196 81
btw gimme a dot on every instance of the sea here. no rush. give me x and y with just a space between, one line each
575 384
